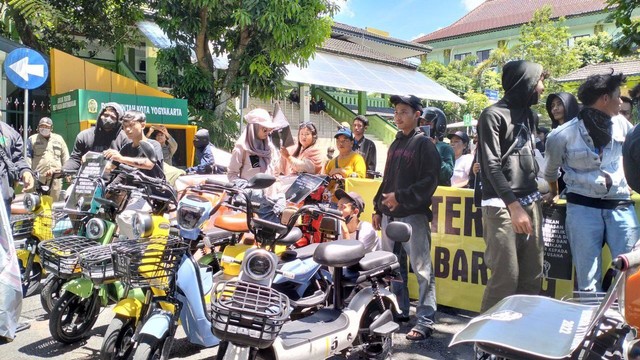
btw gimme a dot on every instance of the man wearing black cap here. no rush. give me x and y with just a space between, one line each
409 182
511 202
364 146
49 152
352 205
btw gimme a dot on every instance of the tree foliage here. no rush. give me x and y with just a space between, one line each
46 24
258 37
594 49
627 41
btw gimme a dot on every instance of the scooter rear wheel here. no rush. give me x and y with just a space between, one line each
51 291
73 317
117 343
375 347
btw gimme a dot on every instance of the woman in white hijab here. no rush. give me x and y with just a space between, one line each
254 153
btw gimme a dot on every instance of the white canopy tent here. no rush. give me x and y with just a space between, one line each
333 70
341 71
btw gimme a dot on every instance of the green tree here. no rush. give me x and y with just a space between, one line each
629 37
46 24
258 37
594 49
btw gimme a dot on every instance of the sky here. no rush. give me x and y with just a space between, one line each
403 19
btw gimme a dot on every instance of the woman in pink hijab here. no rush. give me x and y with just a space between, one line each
304 157
254 153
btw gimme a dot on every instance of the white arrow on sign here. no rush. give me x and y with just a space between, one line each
24 69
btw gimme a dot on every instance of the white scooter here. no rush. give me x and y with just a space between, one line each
537 327
250 319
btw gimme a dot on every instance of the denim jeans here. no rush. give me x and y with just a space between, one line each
419 250
588 228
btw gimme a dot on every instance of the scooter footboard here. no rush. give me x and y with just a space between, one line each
533 325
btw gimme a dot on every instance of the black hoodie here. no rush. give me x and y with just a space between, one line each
97 139
505 136
570 104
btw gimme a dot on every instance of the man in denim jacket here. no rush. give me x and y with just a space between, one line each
589 150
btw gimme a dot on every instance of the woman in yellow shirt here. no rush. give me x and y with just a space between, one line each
348 163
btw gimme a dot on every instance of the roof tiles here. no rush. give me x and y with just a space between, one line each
496 14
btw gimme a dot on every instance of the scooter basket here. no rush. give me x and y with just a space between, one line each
248 314
21 225
97 264
60 256
150 262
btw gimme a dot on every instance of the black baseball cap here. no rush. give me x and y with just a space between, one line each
411 100
353 196
461 134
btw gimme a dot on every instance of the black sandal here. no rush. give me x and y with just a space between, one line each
423 334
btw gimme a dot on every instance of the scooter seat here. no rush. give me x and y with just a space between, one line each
339 253
305 252
235 222
372 264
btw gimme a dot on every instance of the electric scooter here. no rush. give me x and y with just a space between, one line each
251 319
117 340
190 292
592 326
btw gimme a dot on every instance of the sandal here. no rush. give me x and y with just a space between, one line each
418 334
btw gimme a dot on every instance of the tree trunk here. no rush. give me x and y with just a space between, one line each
203 53
232 72
27 36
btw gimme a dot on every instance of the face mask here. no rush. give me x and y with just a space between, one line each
44 132
108 124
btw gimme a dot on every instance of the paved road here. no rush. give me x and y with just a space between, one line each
36 342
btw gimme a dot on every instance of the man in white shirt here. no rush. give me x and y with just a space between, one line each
352 205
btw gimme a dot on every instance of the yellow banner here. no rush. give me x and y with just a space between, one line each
457 247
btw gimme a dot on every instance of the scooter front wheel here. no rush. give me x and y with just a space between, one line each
73 317
117 343
30 278
51 291
150 348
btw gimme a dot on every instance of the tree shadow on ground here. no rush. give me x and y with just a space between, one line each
49 348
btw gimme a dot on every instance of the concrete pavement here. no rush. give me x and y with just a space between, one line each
36 342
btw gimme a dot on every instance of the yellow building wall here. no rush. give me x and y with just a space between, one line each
69 73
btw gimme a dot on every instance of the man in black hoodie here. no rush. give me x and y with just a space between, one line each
105 135
409 181
511 210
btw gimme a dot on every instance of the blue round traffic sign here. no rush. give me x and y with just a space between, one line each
26 68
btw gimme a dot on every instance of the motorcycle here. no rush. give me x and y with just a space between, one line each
592 326
118 338
158 328
250 318
39 222
75 313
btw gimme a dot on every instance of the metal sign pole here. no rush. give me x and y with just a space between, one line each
25 126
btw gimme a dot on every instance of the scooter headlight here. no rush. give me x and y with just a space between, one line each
259 265
142 225
31 202
95 228
189 216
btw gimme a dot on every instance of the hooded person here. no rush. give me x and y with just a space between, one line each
105 135
204 154
561 108
511 202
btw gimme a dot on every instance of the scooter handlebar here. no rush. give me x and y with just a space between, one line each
625 261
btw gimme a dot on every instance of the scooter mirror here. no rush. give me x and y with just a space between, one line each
398 232
261 181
